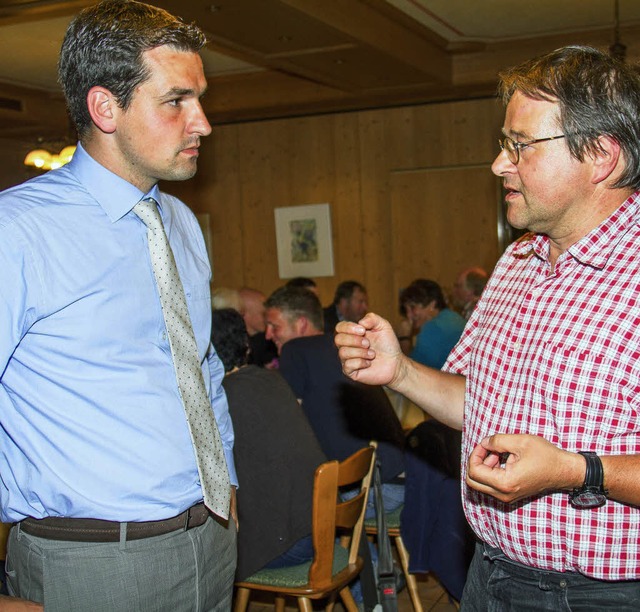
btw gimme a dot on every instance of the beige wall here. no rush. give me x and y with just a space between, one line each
410 189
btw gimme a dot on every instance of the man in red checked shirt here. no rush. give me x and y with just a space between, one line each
546 377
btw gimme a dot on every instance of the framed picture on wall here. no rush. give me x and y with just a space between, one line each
303 236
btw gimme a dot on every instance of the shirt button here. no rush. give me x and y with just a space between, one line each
500 399
164 335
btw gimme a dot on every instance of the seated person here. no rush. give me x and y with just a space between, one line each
467 290
438 328
350 303
262 351
276 455
304 283
345 415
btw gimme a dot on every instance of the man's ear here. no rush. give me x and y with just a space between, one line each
607 161
103 108
302 326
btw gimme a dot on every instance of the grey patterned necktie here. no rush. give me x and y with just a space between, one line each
212 467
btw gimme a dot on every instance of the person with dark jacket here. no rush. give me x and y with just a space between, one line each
345 415
276 455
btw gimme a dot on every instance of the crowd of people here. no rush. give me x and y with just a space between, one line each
122 445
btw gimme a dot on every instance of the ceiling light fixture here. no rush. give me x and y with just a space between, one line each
43 160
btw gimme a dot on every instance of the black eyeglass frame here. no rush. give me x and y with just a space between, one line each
512 147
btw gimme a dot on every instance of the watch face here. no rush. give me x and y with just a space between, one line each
588 499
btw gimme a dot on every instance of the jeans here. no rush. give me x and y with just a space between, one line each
392 498
497 584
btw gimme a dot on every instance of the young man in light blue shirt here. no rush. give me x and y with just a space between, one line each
92 424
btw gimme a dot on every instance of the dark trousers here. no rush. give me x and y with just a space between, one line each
497 584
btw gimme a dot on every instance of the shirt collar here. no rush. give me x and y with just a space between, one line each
596 247
115 195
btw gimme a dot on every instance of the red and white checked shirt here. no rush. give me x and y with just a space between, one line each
558 355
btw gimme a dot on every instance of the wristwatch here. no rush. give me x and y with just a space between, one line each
592 493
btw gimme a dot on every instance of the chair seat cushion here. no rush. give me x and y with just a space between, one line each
392 518
297 575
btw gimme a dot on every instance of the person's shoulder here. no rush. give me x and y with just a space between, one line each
250 376
306 343
330 313
309 350
40 193
454 318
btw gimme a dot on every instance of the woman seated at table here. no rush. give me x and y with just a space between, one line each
276 455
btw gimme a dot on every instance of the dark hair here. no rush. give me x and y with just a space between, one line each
301 281
345 290
295 302
230 338
104 46
422 291
597 95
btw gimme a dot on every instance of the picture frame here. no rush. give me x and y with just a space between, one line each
303 237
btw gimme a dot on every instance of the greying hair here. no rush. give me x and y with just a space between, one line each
597 96
104 47
296 302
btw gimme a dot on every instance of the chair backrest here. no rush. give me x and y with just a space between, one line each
330 513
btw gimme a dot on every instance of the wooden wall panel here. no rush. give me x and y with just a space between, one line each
374 207
442 220
354 162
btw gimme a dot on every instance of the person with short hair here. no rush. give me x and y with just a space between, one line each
303 282
437 327
344 415
112 412
467 290
262 352
276 455
350 303
546 376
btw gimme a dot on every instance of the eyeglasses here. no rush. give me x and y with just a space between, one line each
512 148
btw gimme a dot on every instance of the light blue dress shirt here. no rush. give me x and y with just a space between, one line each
91 421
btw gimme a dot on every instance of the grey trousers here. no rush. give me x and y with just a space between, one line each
182 571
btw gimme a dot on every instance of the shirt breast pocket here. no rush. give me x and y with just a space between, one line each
199 303
584 390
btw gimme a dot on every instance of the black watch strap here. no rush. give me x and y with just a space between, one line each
594 475
592 493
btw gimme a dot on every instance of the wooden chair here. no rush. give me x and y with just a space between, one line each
393 529
332 567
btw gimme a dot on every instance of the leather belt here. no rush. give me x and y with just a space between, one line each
97 530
